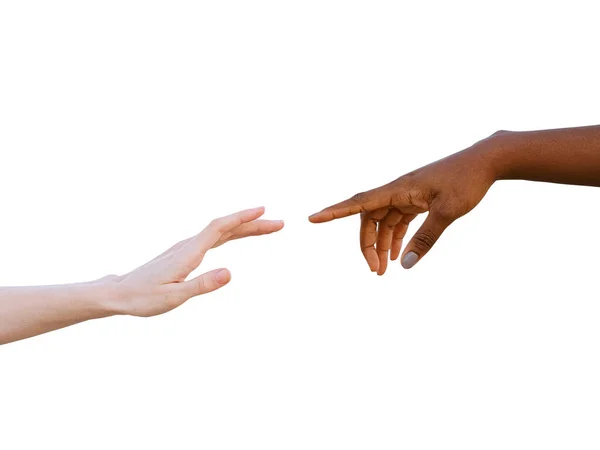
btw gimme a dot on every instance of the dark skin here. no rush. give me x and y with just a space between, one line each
453 186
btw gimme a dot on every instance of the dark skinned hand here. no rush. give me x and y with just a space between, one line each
447 189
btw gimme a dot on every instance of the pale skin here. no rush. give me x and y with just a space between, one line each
446 189
157 287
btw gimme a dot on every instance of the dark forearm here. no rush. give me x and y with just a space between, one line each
568 156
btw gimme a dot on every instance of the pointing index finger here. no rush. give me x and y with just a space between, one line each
361 202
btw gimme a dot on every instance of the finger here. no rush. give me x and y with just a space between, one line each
424 239
181 244
208 237
399 233
191 255
385 233
205 283
368 237
362 202
256 228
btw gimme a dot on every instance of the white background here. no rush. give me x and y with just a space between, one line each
126 126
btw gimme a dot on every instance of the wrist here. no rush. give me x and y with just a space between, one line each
105 296
495 152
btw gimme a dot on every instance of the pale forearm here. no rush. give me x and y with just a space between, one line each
154 288
29 311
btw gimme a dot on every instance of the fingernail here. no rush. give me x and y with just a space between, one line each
222 276
409 260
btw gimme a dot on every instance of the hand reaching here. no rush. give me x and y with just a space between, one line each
154 288
160 285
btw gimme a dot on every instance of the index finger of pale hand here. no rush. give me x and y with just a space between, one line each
208 237
362 202
254 228
213 232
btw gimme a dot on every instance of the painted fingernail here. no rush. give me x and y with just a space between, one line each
222 276
409 260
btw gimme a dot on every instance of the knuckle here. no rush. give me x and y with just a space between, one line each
424 240
180 244
383 247
216 224
200 285
367 249
359 198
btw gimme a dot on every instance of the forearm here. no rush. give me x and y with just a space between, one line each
568 156
29 311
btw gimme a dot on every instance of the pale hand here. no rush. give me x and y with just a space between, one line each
160 285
